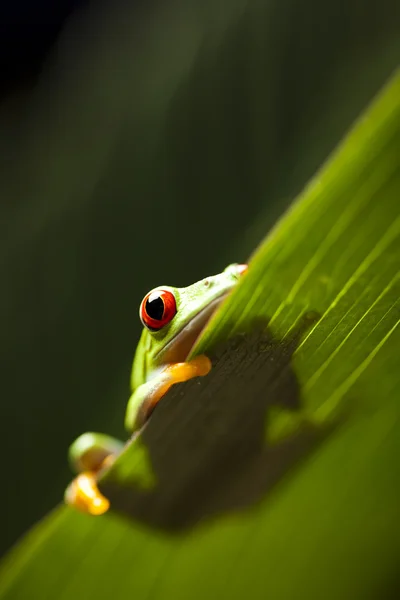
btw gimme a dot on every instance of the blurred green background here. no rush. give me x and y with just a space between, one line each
147 144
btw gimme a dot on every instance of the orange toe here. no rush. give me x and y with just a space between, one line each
198 367
84 495
177 373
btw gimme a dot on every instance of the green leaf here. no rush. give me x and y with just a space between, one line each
328 528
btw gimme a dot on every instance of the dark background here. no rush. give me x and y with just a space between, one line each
145 143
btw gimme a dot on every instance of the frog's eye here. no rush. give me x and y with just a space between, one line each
158 308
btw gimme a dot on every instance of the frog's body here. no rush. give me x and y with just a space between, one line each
173 320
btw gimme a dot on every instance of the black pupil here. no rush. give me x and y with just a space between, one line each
155 308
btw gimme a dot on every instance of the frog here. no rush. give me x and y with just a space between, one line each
173 319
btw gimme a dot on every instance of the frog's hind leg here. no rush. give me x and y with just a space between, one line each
90 453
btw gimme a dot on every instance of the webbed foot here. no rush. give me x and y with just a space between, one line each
146 397
89 454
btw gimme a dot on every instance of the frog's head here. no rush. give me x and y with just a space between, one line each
175 317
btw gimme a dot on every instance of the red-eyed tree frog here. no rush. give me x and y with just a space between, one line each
173 319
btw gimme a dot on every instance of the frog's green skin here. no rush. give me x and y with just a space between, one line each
156 349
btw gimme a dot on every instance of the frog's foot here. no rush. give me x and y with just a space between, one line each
176 373
146 397
89 454
84 495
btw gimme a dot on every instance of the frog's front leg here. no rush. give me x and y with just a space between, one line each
93 451
88 454
145 398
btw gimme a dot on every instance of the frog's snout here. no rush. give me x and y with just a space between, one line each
235 271
242 269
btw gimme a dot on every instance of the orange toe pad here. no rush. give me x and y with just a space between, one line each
84 495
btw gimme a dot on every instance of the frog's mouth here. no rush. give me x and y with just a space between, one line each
179 347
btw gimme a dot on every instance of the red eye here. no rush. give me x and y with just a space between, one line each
158 308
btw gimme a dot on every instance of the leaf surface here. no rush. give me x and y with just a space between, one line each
329 527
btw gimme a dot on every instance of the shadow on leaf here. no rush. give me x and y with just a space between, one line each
207 444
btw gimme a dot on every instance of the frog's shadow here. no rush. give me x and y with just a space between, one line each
207 439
